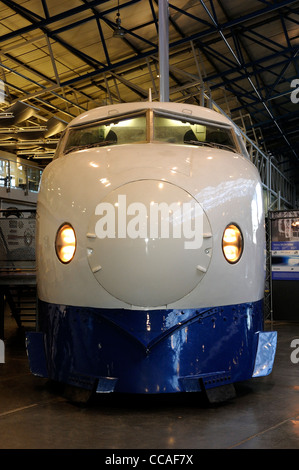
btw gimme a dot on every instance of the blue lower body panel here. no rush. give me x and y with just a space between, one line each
154 351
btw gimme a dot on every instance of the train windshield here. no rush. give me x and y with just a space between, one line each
121 130
150 126
177 131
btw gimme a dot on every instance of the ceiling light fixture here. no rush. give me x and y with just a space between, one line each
119 32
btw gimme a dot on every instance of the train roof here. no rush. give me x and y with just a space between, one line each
181 109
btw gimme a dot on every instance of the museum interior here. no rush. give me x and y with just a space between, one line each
149 227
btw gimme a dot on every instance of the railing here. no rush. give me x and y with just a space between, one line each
18 174
280 192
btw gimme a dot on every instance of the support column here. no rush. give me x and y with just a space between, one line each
164 49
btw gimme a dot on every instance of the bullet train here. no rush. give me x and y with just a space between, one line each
150 255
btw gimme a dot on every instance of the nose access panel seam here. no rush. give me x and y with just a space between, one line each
152 243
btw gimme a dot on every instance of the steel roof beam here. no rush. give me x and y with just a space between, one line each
44 22
91 61
53 34
174 44
241 77
253 86
248 65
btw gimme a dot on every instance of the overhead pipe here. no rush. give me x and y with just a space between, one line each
164 49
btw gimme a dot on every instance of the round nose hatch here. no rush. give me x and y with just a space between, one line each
149 243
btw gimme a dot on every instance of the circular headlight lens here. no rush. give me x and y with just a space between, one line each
232 243
65 243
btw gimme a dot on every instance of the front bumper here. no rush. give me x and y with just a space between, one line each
151 351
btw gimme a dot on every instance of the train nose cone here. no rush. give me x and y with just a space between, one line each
149 243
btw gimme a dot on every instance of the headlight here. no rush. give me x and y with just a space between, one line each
65 243
232 243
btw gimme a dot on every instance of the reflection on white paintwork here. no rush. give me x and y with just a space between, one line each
267 342
224 193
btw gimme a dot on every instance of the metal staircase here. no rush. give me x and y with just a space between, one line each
22 304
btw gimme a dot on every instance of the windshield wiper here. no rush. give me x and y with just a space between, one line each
88 146
211 144
198 142
228 147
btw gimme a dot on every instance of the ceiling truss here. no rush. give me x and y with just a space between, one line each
61 58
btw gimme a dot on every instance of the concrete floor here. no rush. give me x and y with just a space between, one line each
264 415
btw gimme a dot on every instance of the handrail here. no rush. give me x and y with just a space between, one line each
19 174
273 180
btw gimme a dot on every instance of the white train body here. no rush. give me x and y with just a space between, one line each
129 255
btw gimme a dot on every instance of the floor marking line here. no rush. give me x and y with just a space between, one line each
5 413
264 431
